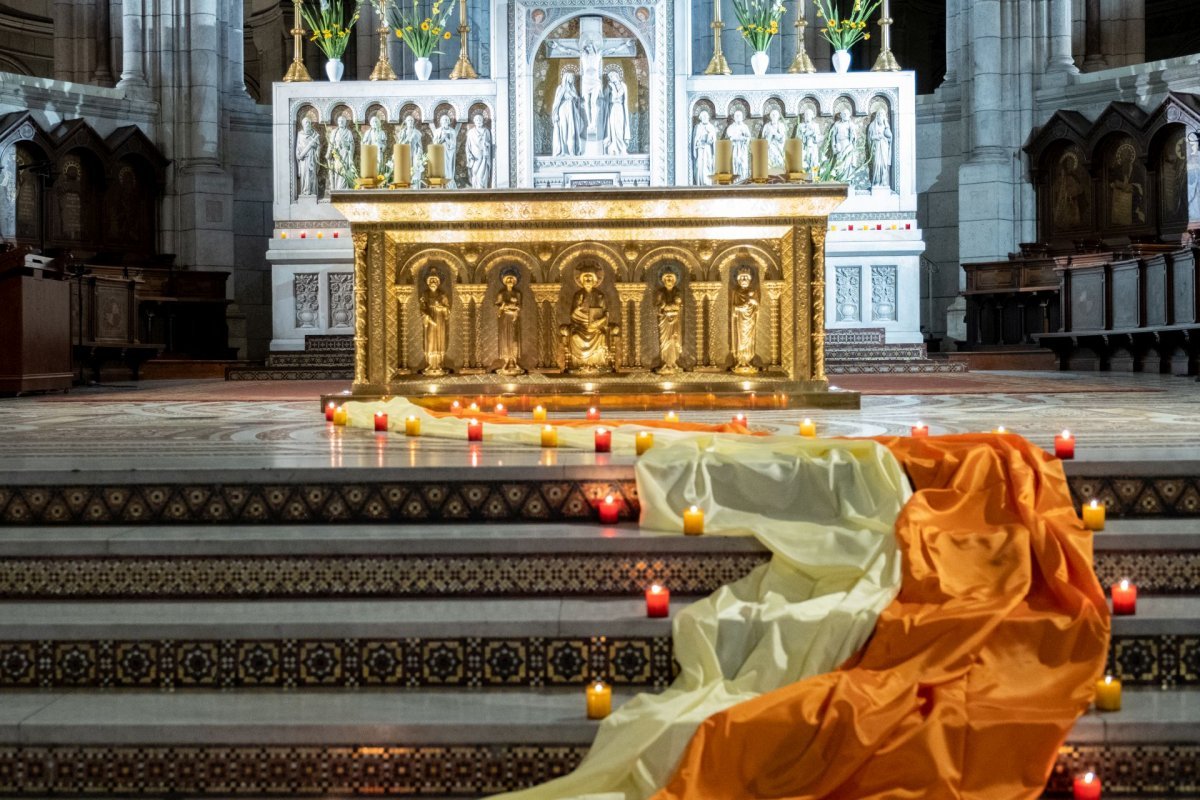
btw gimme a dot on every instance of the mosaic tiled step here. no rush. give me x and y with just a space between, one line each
437 743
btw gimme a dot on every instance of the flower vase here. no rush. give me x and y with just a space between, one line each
759 62
334 69
423 68
841 61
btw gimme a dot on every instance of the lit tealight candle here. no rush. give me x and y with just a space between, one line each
412 426
341 416
473 408
1093 516
330 407
658 601
381 422
549 436
593 413
999 429
608 510
1087 787
671 416
456 408
501 410
643 441
808 428
1108 694
1124 599
693 521
1064 445
739 419
599 700
920 430
539 413
474 430
603 440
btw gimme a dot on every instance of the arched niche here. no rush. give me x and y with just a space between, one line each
1066 192
1127 201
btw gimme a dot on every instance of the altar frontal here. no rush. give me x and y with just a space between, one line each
654 297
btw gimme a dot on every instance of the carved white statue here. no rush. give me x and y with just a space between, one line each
591 48
479 154
809 134
617 133
704 144
410 135
339 154
739 134
308 150
446 133
843 142
879 140
375 134
775 132
567 115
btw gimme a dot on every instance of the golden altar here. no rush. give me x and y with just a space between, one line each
652 297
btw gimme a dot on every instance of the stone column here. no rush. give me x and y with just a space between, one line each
103 74
1094 59
133 73
1060 57
953 47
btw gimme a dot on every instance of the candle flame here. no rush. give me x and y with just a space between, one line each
1124 583
1108 678
411 418
472 422
379 413
499 406
1066 434
609 499
1095 503
656 589
599 687
694 509
807 421
1088 777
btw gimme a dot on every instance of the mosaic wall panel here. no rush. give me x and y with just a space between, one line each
1140 497
1154 572
412 663
1163 661
1161 770
249 503
368 576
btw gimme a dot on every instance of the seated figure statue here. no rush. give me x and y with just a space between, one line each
589 340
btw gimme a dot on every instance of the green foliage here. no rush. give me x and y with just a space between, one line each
421 31
758 20
330 22
843 32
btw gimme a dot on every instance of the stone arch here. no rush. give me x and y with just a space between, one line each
340 109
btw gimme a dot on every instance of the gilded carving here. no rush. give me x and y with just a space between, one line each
361 272
508 324
435 325
743 322
588 346
668 307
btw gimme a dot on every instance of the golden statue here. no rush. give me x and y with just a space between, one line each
508 324
668 302
435 320
587 349
743 322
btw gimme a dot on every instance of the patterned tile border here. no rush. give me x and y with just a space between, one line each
313 503
525 575
1140 497
422 663
416 663
227 771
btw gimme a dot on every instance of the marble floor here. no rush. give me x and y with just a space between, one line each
1146 417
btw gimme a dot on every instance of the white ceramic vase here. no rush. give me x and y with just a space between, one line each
334 69
759 62
423 68
841 61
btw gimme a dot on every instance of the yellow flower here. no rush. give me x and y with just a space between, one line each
866 36
436 31
446 35
425 25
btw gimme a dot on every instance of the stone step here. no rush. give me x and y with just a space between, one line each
448 743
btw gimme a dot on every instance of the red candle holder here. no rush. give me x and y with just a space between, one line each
330 407
593 413
609 510
1087 787
658 601
1124 599
381 422
739 419
501 410
1064 445
603 440
474 430
456 408
920 431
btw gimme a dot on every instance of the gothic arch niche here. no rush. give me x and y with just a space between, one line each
132 195
525 268
1067 192
558 55
304 157
29 206
649 271
1125 188
75 199
1170 155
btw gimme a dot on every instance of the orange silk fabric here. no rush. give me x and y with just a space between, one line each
493 418
974 675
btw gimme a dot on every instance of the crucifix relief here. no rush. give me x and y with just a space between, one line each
587 109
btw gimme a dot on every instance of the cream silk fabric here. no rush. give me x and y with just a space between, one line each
825 509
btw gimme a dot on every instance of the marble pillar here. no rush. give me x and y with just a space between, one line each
953 48
1093 41
103 74
133 74
1060 57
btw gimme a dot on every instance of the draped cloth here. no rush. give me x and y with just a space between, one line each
975 674
976 669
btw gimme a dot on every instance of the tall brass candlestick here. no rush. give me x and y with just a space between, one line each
801 63
463 67
886 61
718 65
383 67
297 72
